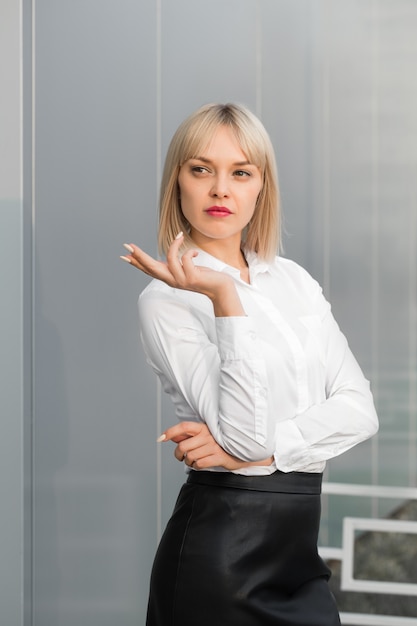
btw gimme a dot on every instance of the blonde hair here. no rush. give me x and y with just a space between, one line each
191 138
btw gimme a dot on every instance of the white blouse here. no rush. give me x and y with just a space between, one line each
279 382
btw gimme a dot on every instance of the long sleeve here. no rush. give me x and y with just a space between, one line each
280 381
212 366
345 416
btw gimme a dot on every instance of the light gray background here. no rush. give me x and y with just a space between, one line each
91 92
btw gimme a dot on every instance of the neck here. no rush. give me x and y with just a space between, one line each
227 251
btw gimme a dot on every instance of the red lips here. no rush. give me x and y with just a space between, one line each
218 211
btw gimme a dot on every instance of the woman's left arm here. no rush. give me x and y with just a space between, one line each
347 415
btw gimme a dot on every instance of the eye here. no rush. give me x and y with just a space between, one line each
199 169
241 173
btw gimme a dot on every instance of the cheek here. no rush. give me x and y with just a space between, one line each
186 201
188 190
254 197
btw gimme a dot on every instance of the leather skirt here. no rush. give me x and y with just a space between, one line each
242 551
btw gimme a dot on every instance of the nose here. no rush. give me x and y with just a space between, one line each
220 187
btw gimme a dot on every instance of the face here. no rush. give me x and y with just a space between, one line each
218 191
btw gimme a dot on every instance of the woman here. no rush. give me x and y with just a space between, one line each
264 385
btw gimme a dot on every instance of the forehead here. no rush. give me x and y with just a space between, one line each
201 141
223 144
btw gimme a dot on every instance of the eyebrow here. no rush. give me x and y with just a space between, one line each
236 164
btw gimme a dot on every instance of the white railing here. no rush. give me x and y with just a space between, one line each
361 619
345 554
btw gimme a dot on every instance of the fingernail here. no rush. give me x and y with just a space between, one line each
128 248
125 258
179 235
161 438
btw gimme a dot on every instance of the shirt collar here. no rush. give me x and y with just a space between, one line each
256 265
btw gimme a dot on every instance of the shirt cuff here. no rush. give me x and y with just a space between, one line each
291 447
236 337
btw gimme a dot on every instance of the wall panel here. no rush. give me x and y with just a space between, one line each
334 82
95 187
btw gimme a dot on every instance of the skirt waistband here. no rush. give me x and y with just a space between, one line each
278 482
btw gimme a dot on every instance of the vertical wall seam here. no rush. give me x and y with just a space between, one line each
412 359
326 148
325 183
21 114
375 231
258 52
32 286
27 334
158 178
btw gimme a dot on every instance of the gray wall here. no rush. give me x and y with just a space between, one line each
92 91
15 331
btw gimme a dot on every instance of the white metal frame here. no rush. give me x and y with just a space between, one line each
348 582
361 619
345 554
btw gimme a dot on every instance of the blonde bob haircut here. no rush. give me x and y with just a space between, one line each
262 235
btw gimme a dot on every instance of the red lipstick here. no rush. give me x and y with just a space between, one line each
218 211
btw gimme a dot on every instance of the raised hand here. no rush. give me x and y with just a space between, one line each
181 273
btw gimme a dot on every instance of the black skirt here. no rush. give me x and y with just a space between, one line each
242 551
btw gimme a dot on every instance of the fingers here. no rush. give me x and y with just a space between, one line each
138 258
190 447
194 449
147 264
187 260
171 272
204 456
197 447
178 271
183 269
173 250
184 430
195 443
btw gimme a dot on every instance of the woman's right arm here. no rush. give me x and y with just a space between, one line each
214 373
223 379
